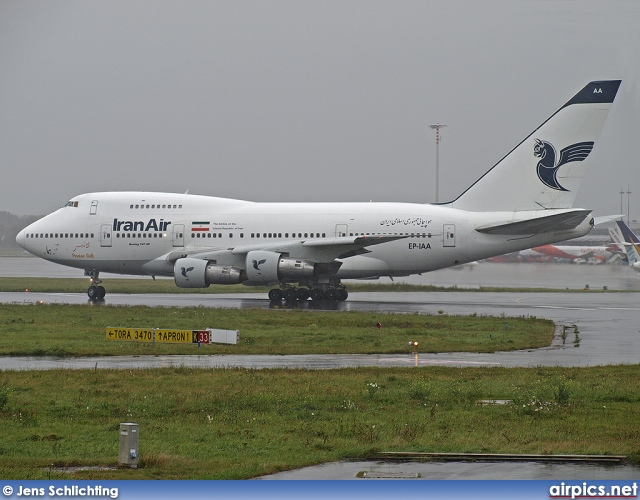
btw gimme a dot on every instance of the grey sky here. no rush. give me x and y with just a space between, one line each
302 101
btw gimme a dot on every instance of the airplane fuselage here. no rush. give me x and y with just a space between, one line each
135 232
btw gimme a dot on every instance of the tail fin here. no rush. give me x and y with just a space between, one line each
631 244
545 170
617 241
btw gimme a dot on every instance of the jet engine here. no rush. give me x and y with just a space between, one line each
270 267
198 273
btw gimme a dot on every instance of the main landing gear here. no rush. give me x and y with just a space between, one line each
95 291
336 293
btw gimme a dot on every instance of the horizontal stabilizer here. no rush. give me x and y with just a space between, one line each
549 224
605 218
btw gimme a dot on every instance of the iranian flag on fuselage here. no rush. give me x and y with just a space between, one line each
200 226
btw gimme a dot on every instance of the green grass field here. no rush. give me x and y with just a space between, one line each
80 330
242 423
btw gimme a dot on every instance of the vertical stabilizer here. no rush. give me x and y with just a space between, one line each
631 245
545 170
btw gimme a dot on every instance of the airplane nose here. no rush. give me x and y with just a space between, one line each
21 239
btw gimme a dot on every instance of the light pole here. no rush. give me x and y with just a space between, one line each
437 128
621 195
628 193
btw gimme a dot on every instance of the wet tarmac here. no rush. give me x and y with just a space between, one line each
372 470
606 331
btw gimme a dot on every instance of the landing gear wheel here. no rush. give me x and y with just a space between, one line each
303 294
341 294
332 294
95 291
317 294
291 294
275 295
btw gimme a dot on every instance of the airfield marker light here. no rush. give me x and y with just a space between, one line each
415 345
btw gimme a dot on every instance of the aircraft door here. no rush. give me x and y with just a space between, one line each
178 235
94 207
105 235
449 235
341 230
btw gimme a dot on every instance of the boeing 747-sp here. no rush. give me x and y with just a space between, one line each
305 249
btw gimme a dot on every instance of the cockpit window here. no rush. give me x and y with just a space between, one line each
71 204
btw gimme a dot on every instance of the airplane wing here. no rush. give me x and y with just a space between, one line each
551 223
320 250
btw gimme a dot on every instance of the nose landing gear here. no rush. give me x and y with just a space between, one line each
95 291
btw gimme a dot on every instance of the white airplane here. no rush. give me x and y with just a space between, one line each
626 238
306 249
577 254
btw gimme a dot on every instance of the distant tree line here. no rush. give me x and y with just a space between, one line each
10 226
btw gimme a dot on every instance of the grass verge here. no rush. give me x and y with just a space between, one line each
240 423
80 330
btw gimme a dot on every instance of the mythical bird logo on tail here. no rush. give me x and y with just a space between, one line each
547 168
